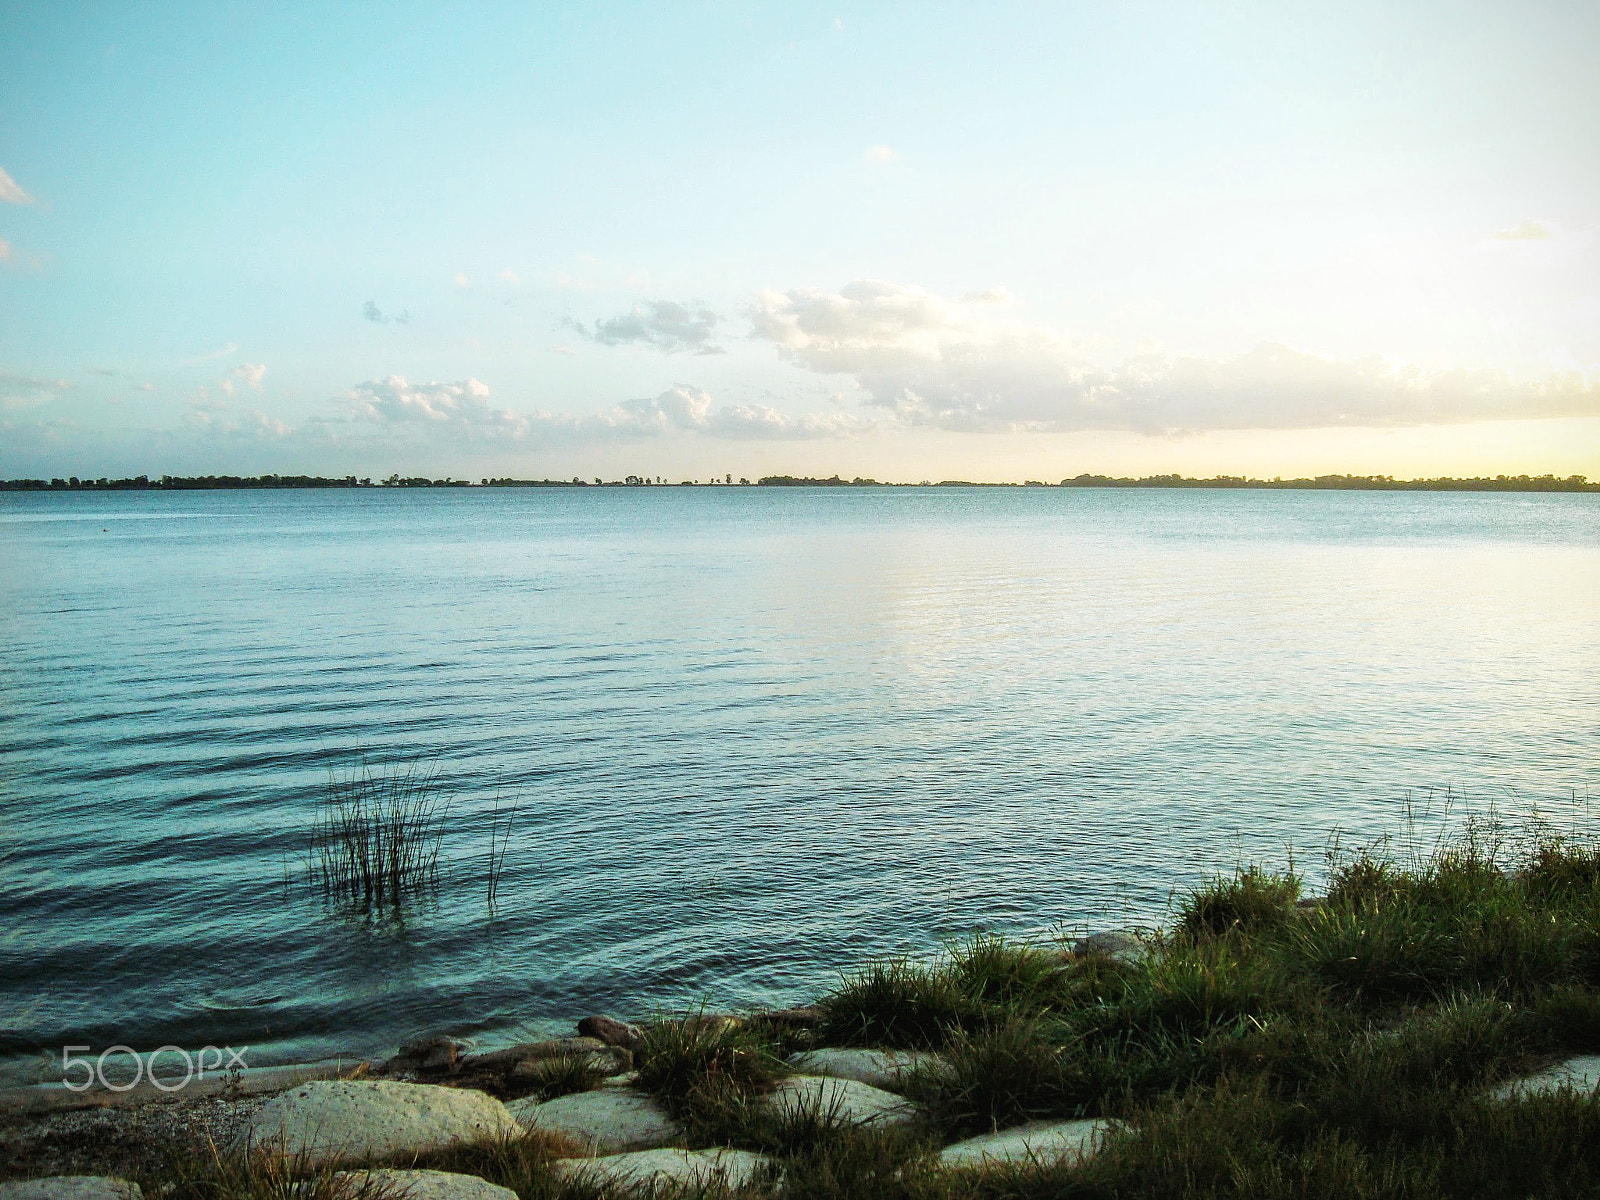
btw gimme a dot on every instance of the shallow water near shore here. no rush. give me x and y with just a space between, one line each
754 735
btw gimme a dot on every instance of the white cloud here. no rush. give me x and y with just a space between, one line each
5 250
664 324
915 357
461 279
11 191
458 413
510 276
880 154
1527 231
683 409
457 407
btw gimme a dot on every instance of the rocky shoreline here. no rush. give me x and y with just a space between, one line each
717 1104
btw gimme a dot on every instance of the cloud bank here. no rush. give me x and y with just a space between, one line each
919 359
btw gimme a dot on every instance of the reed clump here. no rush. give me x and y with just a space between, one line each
376 839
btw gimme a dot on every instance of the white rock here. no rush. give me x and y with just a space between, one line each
1581 1075
70 1187
1038 1141
359 1120
420 1185
1122 946
876 1068
845 1100
605 1121
696 1168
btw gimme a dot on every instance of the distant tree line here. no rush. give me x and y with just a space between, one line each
1356 483
1351 483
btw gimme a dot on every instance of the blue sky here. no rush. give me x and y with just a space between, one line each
906 241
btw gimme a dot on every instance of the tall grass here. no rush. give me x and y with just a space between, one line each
375 842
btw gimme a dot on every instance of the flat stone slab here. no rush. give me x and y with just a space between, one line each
420 1185
361 1120
876 1068
605 1121
652 1168
71 1187
847 1101
1037 1141
1581 1075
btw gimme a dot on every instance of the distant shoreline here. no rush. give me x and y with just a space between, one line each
1331 483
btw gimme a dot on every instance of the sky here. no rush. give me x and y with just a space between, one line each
985 241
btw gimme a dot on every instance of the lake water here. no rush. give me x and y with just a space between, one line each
754 735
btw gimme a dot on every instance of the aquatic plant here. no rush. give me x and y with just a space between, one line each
375 842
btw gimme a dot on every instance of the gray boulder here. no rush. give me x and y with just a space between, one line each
1037 1142
654 1168
1123 946
363 1120
70 1187
877 1068
847 1101
419 1185
605 1121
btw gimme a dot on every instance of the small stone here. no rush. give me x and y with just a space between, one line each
653 1168
71 1187
420 1185
1038 1141
607 1120
1581 1075
355 1121
878 1068
847 1101
611 1031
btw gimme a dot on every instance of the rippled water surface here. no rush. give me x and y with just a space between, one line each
755 734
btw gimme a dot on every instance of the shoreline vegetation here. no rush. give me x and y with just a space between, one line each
1345 483
1376 1042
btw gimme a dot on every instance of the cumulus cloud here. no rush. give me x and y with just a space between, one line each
1526 231
11 191
915 357
668 326
683 409
249 374
455 407
461 413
